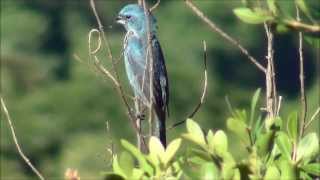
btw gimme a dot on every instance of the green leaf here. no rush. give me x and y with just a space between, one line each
252 17
126 163
116 167
254 101
292 126
209 171
239 128
264 143
220 142
272 173
156 150
283 143
313 168
210 140
195 133
138 155
171 151
288 171
137 173
272 6
308 147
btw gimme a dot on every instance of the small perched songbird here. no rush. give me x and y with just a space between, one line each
137 59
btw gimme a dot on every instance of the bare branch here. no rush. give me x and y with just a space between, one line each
303 98
312 118
155 6
204 91
24 157
215 28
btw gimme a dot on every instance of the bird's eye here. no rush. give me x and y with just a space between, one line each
128 17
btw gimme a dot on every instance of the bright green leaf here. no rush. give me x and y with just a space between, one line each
308 147
292 126
272 6
209 171
210 140
239 128
126 163
195 133
171 151
137 173
254 102
252 17
272 173
313 168
220 142
138 155
116 167
283 143
288 171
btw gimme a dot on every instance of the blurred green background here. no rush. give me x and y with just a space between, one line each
60 106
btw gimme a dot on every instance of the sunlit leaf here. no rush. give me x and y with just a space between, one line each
313 168
220 142
252 17
126 163
272 173
116 167
209 171
171 151
210 140
283 143
308 147
195 133
239 128
254 102
288 171
292 126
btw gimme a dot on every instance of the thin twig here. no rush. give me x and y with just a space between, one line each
24 157
303 99
271 98
155 6
204 91
215 28
312 118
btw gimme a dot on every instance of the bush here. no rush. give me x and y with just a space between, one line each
274 151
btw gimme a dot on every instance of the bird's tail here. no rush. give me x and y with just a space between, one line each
159 128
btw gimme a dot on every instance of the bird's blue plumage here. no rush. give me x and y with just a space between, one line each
137 60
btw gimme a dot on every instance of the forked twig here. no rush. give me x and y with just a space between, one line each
204 91
215 28
312 118
21 153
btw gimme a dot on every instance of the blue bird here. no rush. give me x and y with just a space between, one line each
137 59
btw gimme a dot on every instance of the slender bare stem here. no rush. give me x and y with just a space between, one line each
21 153
204 91
215 28
303 99
271 98
155 6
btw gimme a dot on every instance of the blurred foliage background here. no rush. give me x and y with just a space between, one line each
60 106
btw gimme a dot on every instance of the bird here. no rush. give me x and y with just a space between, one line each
137 64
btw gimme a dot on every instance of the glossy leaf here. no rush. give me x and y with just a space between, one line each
308 147
138 155
284 145
220 142
252 17
254 102
209 171
171 151
292 126
313 168
272 173
239 128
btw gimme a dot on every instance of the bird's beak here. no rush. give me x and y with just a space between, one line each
120 20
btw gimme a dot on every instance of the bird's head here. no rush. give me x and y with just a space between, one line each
133 18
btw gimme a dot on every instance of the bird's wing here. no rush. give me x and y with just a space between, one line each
160 78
